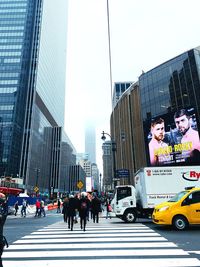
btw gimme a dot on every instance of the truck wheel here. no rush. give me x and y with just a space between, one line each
130 216
180 222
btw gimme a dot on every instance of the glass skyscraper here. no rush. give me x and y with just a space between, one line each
32 90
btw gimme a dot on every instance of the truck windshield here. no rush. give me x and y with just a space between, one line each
178 196
123 192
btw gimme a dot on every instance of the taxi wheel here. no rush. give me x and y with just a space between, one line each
180 222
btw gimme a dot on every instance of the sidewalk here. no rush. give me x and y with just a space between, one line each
30 211
103 214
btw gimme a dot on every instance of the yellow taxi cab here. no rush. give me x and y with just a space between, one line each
180 211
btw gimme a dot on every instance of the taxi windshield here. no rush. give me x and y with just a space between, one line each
178 196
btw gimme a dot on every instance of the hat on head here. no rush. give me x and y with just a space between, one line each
84 194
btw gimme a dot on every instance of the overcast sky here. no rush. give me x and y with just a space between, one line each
144 34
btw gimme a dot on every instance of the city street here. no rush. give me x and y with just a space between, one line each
46 241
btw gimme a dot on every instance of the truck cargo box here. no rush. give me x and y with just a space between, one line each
158 184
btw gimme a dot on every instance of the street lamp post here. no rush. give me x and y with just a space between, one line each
100 175
113 143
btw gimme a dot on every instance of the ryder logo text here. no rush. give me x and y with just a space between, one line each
191 176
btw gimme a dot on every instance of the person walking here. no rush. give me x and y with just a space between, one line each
42 208
3 216
37 205
96 208
84 205
108 208
59 204
24 206
65 209
16 207
71 211
77 205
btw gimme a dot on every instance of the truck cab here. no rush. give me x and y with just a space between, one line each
124 203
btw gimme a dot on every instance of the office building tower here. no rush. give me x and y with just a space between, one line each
95 176
32 90
76 175
90 143
107 165
118 90
167 95
81 156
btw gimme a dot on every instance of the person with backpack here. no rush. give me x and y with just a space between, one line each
84 205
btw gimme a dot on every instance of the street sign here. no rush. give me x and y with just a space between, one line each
80 184
123 173
36 189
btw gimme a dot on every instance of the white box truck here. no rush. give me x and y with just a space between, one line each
153 185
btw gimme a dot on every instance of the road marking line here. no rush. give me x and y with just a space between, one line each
85 240
92 231
166 262
38 236
94 253
93 245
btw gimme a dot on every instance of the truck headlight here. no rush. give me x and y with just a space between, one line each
164 208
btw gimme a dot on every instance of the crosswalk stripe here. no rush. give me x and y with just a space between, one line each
78 235
85 240
105 229
93 231
97 253
167 262
93 245
195 252
102 226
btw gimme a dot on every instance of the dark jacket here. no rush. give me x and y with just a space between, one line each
83 213
96 205
65 206
72 206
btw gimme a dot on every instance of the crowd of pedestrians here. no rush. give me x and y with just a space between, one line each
76 207
84 207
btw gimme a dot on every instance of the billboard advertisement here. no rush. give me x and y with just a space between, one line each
89 184
173 139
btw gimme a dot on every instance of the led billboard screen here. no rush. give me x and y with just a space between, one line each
173 139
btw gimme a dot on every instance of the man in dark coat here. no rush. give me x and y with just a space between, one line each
96 208
72 207
65 209
3 216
